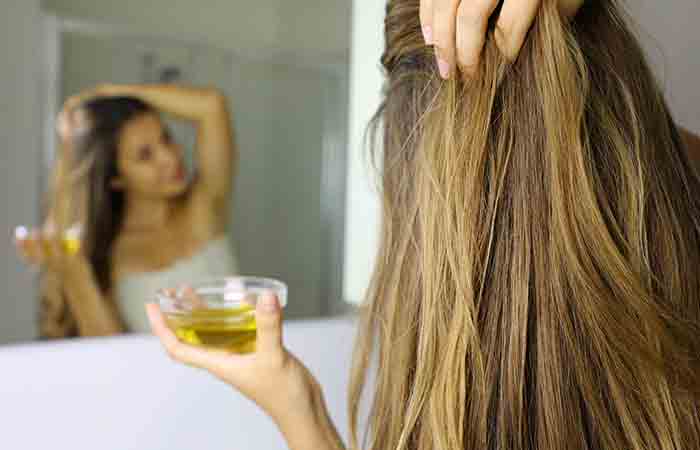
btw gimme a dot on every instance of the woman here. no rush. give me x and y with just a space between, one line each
144 225
537 284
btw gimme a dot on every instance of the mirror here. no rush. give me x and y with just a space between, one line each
284 74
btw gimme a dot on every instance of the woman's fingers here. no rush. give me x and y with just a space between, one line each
23 249
263 376
426 20
41 248
72 103
471 27
192 298
458 28
268 314
187 354
52 248
513 24
73 119
56 255
63 126
29 245
236 369
21 235
443 34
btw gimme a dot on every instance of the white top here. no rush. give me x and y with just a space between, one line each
214 260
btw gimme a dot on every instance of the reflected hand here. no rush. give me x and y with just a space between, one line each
271 376
72 120
44 248
458 28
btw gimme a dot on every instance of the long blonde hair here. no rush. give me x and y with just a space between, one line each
537 284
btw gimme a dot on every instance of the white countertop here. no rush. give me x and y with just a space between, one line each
125 393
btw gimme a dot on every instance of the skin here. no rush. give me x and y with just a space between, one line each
457 28
161 207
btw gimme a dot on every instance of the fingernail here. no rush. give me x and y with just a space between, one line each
428 35
444 68
268 303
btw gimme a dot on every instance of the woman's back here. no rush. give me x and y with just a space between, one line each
537 283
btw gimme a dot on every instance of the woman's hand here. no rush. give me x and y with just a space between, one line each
457 28
61 255
44 248
72 120
271 376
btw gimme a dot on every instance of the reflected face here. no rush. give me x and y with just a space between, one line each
150 163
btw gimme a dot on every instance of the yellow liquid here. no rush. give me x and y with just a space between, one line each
231 329
71 245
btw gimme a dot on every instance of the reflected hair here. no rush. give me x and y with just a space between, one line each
82 192
537 282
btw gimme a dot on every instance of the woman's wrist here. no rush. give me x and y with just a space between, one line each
316 432
76 271
309 427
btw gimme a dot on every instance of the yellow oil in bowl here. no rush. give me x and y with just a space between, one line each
230 329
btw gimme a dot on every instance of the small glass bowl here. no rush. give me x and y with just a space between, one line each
219 313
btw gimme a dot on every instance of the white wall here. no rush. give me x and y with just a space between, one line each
671 36
362 205
222 22
20 132
669 26
299 29
277 218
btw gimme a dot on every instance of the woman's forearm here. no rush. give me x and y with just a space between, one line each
93 314
188 103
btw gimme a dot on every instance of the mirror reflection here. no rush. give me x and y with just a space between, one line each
171 158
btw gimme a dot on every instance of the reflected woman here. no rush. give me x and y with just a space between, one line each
121 176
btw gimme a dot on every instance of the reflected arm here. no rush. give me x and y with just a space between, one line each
207 108
94 314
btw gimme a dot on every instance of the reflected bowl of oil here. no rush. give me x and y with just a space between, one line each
219 313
